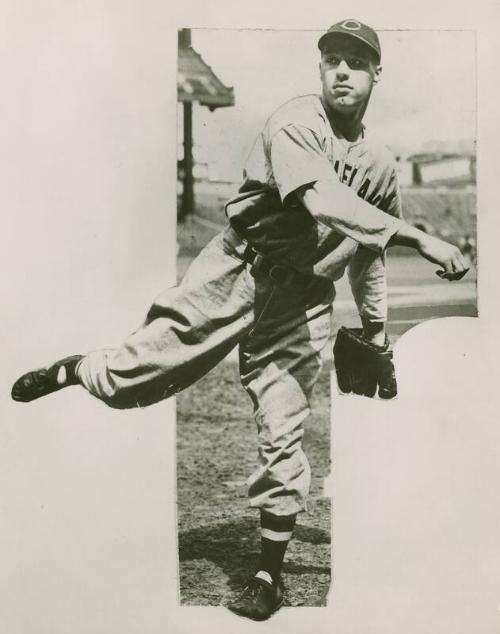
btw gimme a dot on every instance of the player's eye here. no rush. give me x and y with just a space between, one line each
355 63
333 60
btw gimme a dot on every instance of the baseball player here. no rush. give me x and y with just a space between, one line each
319 196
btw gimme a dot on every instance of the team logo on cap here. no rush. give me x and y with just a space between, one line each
351 25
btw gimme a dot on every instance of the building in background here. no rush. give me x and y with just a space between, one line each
439 193
196 83
443 169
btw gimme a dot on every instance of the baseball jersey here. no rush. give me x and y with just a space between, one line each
298 146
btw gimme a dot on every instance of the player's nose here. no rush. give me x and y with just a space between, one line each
343 69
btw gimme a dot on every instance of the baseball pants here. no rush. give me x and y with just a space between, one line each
190 328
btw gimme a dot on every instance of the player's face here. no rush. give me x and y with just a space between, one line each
348 71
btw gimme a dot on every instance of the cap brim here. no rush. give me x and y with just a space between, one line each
334 34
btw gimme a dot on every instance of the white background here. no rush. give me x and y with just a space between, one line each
87 537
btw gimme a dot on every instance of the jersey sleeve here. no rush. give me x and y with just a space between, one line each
366 270
297 159
367 277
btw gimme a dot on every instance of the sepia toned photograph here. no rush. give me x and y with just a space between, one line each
249 353
282 268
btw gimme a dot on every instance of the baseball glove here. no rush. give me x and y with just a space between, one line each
362 366
38 383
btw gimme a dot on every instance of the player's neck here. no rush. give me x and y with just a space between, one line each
349 124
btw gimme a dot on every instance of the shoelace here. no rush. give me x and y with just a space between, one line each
252 590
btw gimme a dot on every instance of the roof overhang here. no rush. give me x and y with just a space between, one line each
196 82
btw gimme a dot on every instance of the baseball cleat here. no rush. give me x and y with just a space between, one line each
44 381
258 600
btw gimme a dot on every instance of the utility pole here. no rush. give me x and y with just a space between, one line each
188 201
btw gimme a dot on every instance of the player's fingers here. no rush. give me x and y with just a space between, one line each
453 276
462 261
460 267
364 386
388 388
371 389
455 269
458 274
388 393
445 274
458 263
448 267
344 379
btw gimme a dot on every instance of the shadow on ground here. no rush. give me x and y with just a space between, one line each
232 548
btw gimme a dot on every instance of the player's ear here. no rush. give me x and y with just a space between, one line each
321 69
377 73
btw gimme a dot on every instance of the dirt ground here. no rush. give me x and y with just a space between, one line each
218 534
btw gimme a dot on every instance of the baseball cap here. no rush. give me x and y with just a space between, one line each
356 29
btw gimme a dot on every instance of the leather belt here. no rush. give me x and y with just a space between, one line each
279 273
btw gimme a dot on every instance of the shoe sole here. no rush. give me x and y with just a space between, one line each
258 618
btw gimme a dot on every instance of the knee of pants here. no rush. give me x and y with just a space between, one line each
283 393
282 460
119 398
280 417
282 485
115 390
283 456
129 396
